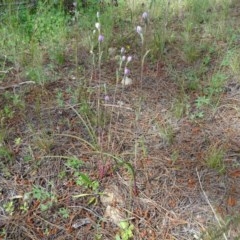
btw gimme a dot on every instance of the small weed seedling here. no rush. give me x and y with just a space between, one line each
126 231
180 106
64 212
216 84
74 163
84 180
9 207
46 198
200 103
166 133
215 159
24 207
5 153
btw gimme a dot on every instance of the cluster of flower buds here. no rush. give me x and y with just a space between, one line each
139 30
145 17
127 59
123 58
98 27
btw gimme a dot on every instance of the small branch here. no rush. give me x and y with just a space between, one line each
117 106
17 85
3 71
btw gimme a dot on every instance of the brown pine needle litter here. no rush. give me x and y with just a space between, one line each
83 156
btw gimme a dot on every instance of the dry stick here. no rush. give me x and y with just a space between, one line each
89 210
214 212
17 85
116 106
52 224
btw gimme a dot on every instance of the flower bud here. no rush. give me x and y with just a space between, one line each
126 71
100 38
129 59
145 16
97 25
139 30
106 98
122 50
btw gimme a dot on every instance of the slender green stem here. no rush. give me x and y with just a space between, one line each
142 65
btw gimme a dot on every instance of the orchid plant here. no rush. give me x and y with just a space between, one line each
139 30
100 40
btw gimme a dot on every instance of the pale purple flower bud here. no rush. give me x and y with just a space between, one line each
98 15
122 50
106 98
123 58
129 59
100 38
126 71
139 30
145 16
97 25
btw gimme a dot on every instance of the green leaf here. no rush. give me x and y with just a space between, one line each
93 200
124 225
117 237
130 168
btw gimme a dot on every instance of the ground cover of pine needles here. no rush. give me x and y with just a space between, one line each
120 122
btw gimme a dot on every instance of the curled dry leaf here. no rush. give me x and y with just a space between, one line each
111 196
114 214
232 201
81 222
235 173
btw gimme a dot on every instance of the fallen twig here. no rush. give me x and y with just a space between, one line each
17 85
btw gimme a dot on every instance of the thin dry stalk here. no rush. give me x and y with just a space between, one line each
208 202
